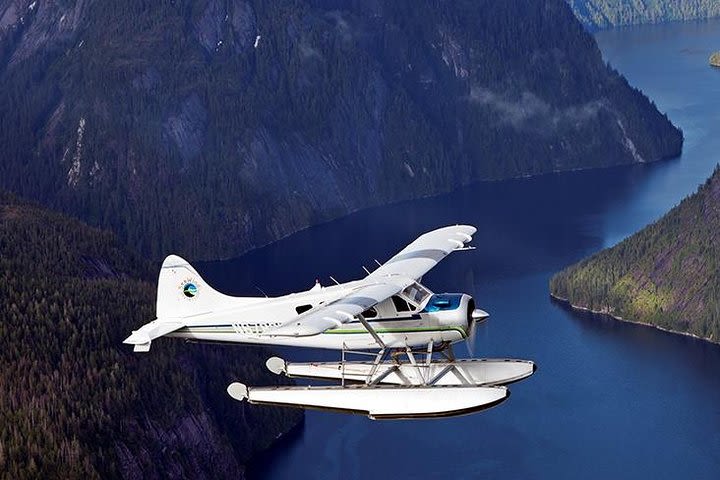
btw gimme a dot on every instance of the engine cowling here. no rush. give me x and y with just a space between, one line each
455 309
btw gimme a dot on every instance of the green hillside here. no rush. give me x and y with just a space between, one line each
667 275
613 13
77 403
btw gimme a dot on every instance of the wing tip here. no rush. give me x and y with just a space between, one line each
469 229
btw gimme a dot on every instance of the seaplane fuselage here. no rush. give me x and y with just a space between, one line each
399 321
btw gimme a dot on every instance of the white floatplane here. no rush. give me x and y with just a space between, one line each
404 329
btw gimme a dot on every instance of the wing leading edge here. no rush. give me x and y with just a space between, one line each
392 277
425 252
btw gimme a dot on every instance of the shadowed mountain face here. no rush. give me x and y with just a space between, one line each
613 13
666 275
77 403
211 127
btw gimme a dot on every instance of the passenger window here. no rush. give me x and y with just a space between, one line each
302 309
370 313
400 304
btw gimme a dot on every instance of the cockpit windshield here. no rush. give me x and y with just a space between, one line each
416 293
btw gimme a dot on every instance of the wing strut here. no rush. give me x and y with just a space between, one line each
372 331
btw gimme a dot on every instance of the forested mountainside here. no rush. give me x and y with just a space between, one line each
209 127
77 403
613 13
667 275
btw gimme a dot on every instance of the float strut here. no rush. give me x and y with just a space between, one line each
372 331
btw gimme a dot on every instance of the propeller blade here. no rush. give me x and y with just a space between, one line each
478 316
472 336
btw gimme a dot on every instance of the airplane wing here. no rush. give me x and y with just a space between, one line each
392 277
423 254
340 311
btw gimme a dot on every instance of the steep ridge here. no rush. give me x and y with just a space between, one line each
666 275
210 127
77 403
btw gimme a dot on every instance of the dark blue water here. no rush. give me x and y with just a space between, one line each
610 400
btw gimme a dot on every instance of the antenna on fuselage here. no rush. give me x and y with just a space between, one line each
366 270
376 261
333 279
262 291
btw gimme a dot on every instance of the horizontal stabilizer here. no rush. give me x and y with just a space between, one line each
142 347
150 331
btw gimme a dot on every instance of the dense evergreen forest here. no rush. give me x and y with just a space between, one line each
613 13
207 127
77 403
667 275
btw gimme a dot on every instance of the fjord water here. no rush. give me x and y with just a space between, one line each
609 400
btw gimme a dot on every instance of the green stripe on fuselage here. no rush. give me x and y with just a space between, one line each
349 331
340 331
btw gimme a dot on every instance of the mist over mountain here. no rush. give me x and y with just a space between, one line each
613 13
210 127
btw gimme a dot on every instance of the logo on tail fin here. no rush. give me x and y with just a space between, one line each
189 289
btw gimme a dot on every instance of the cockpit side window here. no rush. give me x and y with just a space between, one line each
416 292
400 304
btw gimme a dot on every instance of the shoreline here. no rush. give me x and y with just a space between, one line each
634 322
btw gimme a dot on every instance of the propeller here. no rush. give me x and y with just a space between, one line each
475 317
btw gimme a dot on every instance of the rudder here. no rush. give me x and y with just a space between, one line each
182 291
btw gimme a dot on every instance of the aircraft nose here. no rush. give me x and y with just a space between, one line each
479 315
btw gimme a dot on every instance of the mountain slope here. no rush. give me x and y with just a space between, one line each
77 403
209 127
667 275
613 13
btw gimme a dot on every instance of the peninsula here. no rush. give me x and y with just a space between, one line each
667 275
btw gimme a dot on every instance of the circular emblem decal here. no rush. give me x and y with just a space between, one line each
190 290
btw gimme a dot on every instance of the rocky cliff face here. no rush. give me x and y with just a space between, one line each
612 13
209 127
194 435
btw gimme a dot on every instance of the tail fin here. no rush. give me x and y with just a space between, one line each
182 292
